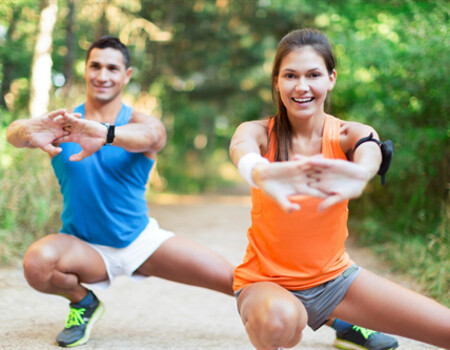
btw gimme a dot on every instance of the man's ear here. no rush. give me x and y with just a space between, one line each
128 73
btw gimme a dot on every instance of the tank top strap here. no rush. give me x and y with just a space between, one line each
123 117
270 155
331 147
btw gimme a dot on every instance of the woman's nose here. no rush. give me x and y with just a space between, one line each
302 84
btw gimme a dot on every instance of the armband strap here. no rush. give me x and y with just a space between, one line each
246 165
387 150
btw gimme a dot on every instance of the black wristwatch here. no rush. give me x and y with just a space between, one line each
110 135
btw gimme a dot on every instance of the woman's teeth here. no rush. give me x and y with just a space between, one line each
303 100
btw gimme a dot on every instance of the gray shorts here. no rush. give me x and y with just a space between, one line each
320 301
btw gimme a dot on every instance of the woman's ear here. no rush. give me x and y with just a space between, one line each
333 77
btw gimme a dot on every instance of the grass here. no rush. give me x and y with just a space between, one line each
29 202
425 258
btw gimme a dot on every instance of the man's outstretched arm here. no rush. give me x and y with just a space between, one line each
143 134
40 132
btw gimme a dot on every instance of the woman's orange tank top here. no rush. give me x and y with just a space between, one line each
299 250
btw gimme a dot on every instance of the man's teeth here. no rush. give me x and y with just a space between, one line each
302 100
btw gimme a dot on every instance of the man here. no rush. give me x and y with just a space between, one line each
106 230
102 155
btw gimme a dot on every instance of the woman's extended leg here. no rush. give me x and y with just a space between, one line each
377 303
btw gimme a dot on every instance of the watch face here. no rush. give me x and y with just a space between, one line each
110 135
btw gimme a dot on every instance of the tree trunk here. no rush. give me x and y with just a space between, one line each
103 25
8 63
41 71
70 44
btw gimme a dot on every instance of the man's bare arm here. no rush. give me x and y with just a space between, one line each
40 132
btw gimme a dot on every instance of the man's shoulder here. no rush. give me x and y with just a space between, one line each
78 108
139 116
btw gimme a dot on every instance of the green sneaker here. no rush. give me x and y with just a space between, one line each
358 338
79 323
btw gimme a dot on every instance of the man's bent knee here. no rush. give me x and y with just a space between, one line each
39 263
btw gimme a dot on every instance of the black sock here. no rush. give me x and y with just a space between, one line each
341 326
87 300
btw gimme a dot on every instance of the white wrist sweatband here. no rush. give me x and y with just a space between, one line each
246 165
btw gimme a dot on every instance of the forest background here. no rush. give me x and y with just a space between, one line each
203 67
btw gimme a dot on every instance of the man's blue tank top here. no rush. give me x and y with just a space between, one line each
104 194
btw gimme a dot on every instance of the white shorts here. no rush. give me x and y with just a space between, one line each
125 261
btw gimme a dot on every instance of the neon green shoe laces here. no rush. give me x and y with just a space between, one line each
75 317
366 333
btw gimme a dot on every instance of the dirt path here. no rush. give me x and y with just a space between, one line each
157 314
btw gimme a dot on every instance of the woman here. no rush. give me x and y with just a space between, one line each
304 167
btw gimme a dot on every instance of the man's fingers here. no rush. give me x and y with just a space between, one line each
51 150
64 138
79 156
76 157
52 115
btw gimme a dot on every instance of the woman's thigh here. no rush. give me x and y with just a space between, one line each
377 303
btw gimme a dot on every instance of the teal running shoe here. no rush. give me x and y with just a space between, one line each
358 338
79 323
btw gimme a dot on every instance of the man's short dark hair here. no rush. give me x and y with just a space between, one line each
112 42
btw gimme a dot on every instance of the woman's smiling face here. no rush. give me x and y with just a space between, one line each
303 83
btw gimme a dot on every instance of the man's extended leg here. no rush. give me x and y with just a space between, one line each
57 264
181 260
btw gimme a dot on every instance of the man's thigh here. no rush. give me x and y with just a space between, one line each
70 255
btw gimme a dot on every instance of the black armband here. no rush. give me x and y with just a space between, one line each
387 150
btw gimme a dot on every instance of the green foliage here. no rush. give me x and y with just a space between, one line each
400 89
29 199
425 257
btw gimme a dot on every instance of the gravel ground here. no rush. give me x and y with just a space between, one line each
154 313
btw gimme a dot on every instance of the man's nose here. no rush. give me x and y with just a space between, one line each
103 74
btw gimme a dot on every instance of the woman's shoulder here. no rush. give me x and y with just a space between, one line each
255 127
351 132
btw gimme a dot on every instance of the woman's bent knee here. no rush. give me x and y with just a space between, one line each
279 324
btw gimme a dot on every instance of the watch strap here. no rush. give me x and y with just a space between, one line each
110 134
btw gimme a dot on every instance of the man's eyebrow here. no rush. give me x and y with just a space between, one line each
109 65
